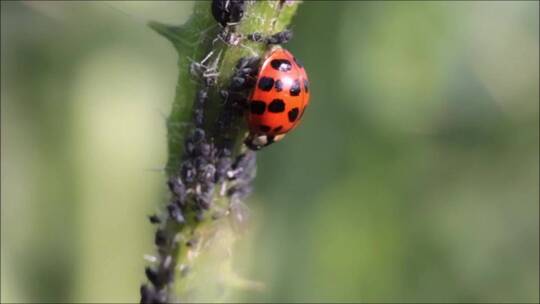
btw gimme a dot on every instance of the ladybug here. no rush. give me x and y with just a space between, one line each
279 99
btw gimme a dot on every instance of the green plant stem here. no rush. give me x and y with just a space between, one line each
202 246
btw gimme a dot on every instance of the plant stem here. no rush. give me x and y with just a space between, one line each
195 238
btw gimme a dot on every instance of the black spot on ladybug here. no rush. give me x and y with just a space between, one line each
295 88
293 114
282 65
277 129
278 85
264 128
276 106
298 63
257 107
266 83
306 85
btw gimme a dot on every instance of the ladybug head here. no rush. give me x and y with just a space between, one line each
259 141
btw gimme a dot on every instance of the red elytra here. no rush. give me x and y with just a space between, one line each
281 95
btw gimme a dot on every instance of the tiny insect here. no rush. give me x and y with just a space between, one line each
228 11
279 99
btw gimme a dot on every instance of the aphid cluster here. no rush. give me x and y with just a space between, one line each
271 93
203 168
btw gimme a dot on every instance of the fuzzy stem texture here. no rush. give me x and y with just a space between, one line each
208 167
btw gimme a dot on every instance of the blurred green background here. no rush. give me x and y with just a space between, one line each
413 177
